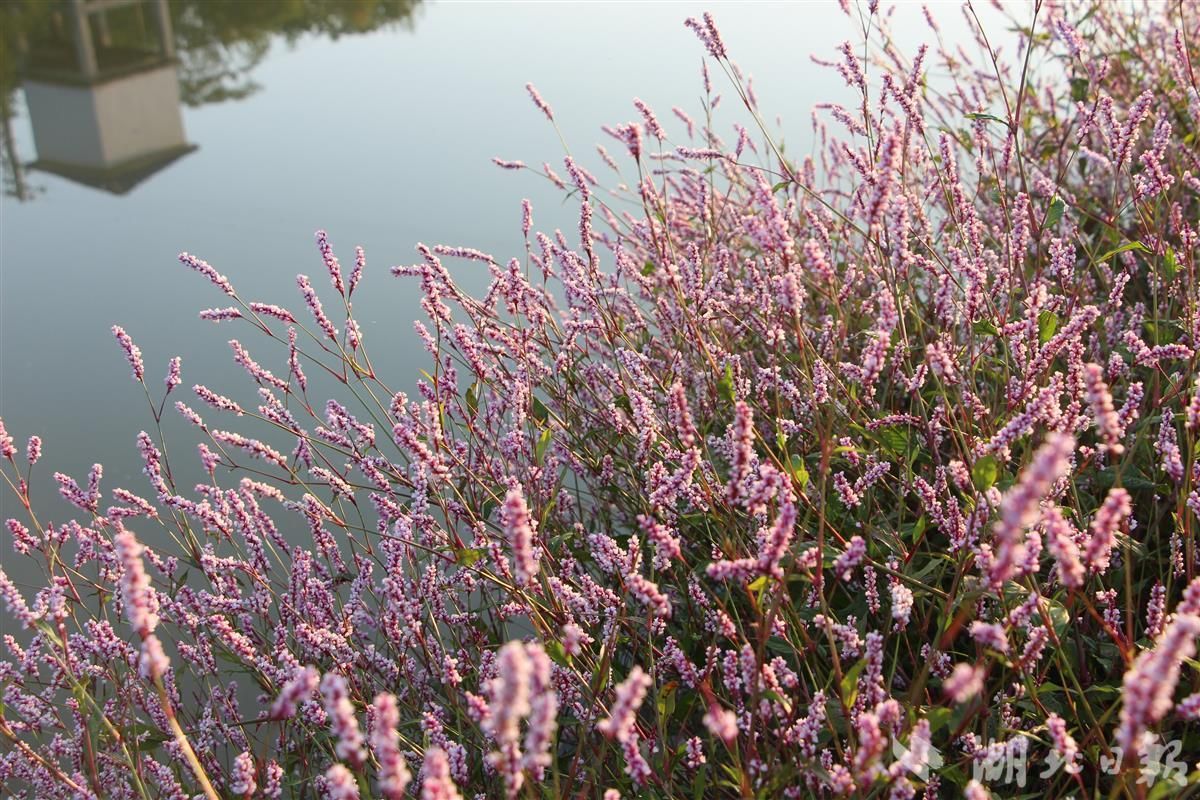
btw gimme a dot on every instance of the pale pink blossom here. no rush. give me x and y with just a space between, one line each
630 693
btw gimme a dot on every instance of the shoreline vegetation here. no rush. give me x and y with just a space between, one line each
867 472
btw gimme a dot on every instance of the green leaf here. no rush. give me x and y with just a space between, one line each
648 269
557 653
540 412
1123 248
776 697
543 443
1170 265
914 531
988 117
1055 214
987 327
1060 618
985 472
781 185
1079 89
489 506
666 700
473 398
700 784
895 441
938 717
799 471
467 556
725 385
758 584
1047 325
849 685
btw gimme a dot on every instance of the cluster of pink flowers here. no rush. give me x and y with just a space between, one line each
826 473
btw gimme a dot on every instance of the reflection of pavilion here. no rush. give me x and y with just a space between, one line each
106 115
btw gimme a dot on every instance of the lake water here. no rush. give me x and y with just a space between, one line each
374 119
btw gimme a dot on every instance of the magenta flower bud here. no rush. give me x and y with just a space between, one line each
340 783
221 314
1189 707
336 694
14 603
1101 402
23 540
543 712
519 530
526 217
141 608
845 564
721 723
153 662
314 305
277 312
132 353
1109 518
241 775
536 97
7 450
1064 743
1192 414
173 378
708 34
577 177
331 262
356 274
1060 536
990 635
1019 507
622 715
294 361
252 446
964 682
742 448
1149 685
436 783
394 776
217 401
509 694
242 357
33 450
299 687
652 125
203 267
976 791
1168 448
649 595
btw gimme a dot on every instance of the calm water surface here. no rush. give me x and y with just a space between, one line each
375 120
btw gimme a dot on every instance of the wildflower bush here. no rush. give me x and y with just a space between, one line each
850 474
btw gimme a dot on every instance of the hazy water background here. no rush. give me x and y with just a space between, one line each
381 136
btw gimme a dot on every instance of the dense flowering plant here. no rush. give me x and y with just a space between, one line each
843 475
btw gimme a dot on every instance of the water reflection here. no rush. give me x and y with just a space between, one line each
105 80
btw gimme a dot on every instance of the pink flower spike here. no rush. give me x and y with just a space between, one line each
1019 507
132 353
331 262
519 530
542 105
394 776
1101 402
436 783
203 267
622 716
336 693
